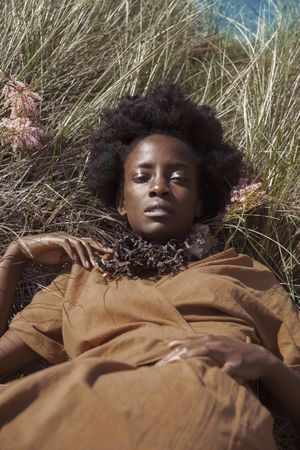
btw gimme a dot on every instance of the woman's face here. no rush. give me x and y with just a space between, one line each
160 195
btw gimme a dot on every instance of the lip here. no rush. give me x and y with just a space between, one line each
158 210
157 213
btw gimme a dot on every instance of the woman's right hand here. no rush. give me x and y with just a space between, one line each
60 247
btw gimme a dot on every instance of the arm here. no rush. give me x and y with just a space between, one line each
245 361
49 249
14 353
11 268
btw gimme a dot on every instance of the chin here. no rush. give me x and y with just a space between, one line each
160 233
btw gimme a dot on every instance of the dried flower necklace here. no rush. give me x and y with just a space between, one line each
136 257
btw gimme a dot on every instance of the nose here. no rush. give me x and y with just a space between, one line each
159 187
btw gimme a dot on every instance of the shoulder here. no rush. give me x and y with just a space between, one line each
229 257
238 267
78 277
71 277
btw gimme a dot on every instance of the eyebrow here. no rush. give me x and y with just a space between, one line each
179 165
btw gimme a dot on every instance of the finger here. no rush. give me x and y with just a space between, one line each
80 250
165 361
92 260
174 355
185 341
230 368
70 252
193 340
211 349
195 348
161 362
99 247
173 344
202 350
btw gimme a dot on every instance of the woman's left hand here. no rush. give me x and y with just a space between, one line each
237 358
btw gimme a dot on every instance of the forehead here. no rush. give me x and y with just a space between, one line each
160 149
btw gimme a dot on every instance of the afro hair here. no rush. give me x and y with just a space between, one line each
164 110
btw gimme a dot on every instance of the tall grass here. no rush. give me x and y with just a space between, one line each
254 84
82 55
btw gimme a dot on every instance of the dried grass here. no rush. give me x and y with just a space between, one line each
82 55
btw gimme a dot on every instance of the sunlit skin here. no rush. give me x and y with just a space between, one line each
160 195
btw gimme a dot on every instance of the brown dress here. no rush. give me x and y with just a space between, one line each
103 337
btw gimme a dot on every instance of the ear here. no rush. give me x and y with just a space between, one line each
121 205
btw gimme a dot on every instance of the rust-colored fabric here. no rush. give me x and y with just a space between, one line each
107 394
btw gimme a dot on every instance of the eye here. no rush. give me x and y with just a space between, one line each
179 178
142 178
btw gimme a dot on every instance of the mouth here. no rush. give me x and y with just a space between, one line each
157 210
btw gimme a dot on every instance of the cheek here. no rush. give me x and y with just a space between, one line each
133 195
190 200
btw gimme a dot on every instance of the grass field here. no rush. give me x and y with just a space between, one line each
81 55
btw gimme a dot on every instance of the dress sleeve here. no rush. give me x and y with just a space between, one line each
287 329
39 324
260 300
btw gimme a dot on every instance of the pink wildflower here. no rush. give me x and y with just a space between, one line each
245 188
21 133
247 194
20 99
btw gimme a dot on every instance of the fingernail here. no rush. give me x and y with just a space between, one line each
172 359
176 354
167 360
173 343
179 351
160 363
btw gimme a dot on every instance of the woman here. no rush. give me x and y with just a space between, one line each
157 352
